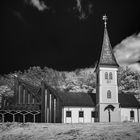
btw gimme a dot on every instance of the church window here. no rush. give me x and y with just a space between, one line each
81 114
131 115
68 113
92 114
106 75
108 94
110 76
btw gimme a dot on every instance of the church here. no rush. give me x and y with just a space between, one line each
44 104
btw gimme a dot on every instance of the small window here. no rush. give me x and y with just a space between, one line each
106 75
81 113
132 115
110 76
92 114
68 113
109 94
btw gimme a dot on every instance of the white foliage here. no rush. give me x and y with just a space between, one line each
6 91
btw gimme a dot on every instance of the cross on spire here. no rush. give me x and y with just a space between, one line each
105 19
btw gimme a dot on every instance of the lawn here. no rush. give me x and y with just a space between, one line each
95 131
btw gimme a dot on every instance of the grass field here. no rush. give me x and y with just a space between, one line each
95 131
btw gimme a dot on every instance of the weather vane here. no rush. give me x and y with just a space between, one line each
105 19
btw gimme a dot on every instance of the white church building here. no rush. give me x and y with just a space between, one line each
44 104
107 105
82 108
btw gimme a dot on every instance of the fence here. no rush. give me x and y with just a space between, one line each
19 116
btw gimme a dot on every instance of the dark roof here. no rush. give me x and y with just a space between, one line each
128 100
78 99
89 99
107 57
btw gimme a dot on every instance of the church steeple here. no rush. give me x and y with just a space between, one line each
106 82
107 57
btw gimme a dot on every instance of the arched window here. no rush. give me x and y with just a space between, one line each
109 94
106 75
110 76
131 115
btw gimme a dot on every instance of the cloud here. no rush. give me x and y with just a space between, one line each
128 52
80 8
135 66
83 9
40 5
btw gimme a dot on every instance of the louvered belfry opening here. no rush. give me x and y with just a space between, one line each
31 103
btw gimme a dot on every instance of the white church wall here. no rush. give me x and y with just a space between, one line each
102 76
125 114
114 94
74 118
108 84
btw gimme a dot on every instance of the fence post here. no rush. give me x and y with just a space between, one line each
34 117
13 117
42 102
23 118
3 118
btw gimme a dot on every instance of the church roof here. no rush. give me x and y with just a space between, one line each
107 57
89 100
128 100
78 99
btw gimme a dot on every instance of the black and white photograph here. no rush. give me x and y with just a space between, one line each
70 70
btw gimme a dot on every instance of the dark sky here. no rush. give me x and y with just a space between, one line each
58 37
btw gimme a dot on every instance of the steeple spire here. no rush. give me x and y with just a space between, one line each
107 57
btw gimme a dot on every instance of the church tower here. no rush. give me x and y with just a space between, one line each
107 105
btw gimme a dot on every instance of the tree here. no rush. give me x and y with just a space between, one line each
127 79
109 108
